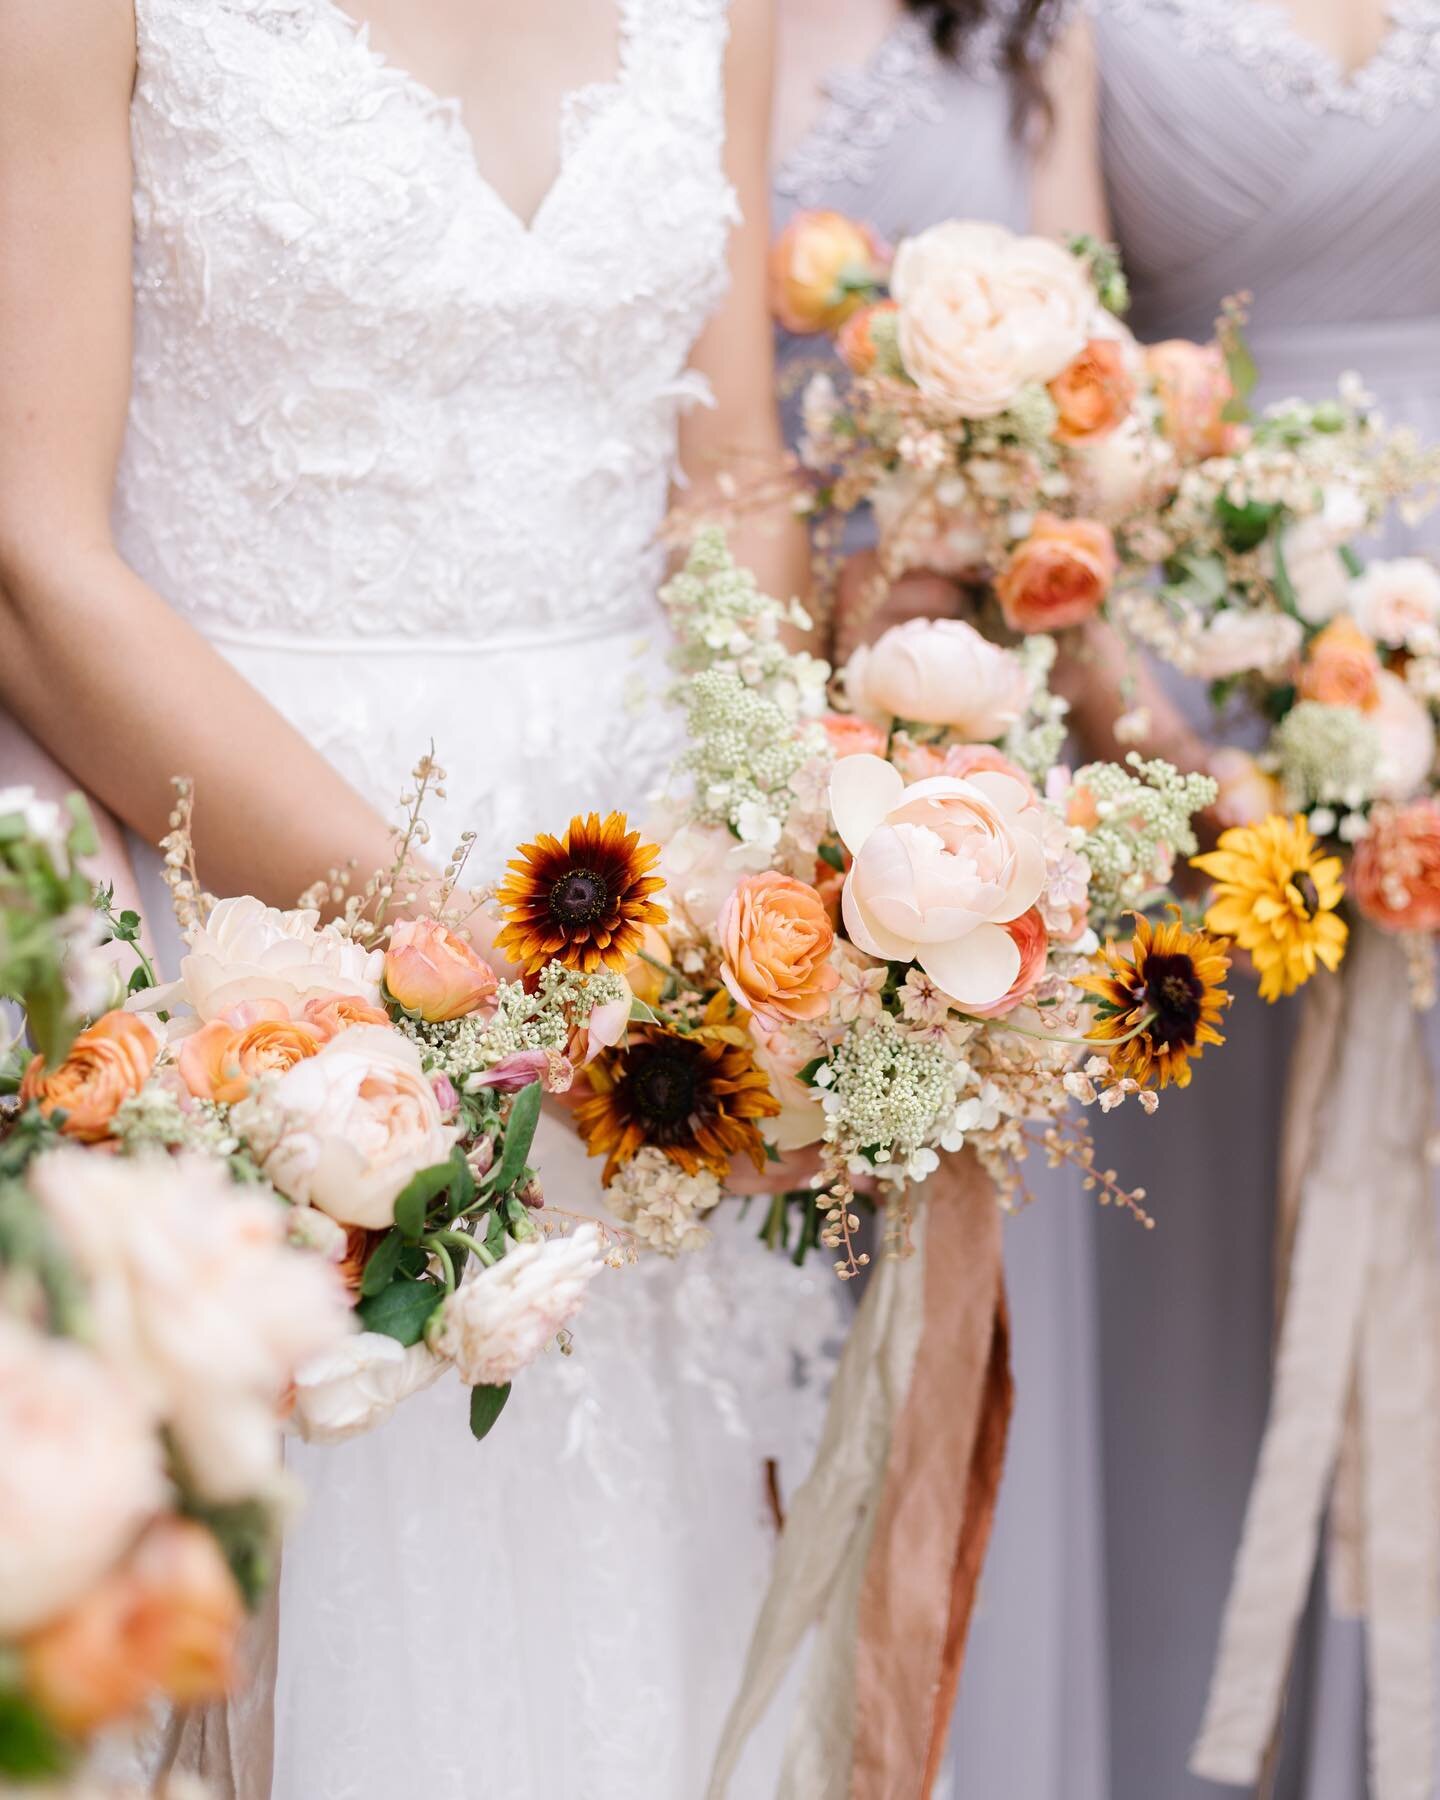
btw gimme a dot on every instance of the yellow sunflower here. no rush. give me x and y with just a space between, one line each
1276 895
1163 996
582 899
696 1095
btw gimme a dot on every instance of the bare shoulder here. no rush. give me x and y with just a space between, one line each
63 53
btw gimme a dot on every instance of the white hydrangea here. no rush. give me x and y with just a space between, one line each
1326 756
661 1205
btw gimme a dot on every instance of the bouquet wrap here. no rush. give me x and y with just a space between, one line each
885 1541
1358 1335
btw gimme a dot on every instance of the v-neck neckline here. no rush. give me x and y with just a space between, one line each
590 93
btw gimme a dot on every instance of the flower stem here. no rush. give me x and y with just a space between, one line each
1056 1037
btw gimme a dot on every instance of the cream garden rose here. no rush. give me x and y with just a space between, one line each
1237 640
941 868
345 1130
939 672
248 951
80 1474
984 313
357 1385
1398 603
498 1321
1407 738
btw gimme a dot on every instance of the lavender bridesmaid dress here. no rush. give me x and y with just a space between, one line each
905 142
1238 156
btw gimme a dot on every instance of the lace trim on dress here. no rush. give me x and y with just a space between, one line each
1404 70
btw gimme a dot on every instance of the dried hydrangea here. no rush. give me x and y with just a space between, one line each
1326 756
661 1205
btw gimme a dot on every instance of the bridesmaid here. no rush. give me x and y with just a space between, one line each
1290 150
903 116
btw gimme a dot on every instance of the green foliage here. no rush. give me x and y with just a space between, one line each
400 1310
30 1747
486 1406
248 1535
519 1136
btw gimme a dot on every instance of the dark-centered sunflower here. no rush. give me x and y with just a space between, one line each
582 899
696 1095
1163 996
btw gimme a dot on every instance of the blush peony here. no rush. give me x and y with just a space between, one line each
939 672
984 314
941 868
1398 603
1407 738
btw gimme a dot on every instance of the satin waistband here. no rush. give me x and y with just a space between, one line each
555 637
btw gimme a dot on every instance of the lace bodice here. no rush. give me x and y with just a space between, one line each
370 403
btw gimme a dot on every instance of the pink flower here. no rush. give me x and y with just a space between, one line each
445 1094
432 971
939 672
1031 939
940 869
1395 874
525 1068
852 736
1407 738
604 1028
1398 602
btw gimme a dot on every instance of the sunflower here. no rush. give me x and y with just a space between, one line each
583 899
695 1095
1159 1001
1276 895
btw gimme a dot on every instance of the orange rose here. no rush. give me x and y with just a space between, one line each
856 339
222 1059
852 736
432 971
1341 667
978 759
1395 872
331 1014
107 1064
1033 942
1081 809
823 267
1058 576
1193 387
1094 394
167 1621
776 938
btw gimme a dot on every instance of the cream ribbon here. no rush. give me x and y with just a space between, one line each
1357 1339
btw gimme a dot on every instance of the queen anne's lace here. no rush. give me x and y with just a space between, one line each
480 433
1404 71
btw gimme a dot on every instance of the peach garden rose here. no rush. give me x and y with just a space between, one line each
1395 872
1093 395
1193 387
823 267
433 972
223 1059
1059 575
776 939
941 868
1341 667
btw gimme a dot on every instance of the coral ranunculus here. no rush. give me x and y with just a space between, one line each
1341 668
1093 394
331 1014
823 267
220 1062
1193 386
776 939
1032 940
432 971
1058 576
941 868
856 341
166 1622
852 736
1395 872
107 1063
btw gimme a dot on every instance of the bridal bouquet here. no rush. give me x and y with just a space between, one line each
885 924
995 413
373 1082
153 1317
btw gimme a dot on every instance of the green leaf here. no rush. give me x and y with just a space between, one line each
384 1261
486 1406
83 839
519 1135
139 980
494 1232
462 1185
400 1310
415 1197
643 1014
1354 564
1246 527
30 1746
1284 587
247 1532
832 854
1240 365
811 1069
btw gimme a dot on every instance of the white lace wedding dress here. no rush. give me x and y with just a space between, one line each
402 458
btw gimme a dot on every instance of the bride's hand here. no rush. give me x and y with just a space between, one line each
866 605
796 1169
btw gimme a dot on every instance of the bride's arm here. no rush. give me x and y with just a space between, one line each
112 683
742 432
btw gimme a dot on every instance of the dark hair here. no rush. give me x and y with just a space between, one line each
1029 27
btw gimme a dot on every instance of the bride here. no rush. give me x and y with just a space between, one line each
336 415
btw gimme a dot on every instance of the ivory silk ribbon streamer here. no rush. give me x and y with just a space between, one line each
882 1550
1357 1340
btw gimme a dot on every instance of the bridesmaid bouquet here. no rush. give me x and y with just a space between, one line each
375 1078
885 925
153 1317
1263 594
995 413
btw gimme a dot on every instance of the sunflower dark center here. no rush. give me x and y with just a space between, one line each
662 1089
1176 995
579 897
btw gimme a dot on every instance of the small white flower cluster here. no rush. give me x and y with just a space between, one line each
157 1117
1034 742
889 1094
661 1205
1144 825
1326 756
543 1020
